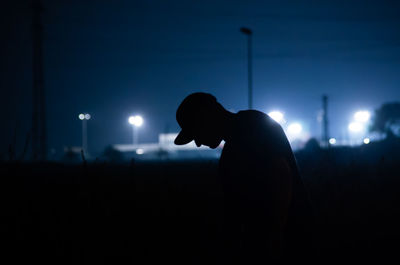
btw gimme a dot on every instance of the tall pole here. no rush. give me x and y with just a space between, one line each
84 117
325 128
39 137
249 33
136 122
135 134
84 136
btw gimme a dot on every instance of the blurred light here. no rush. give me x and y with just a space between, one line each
87 116
136 120
295 128
355 127
140 151
276 116
139 121
332 141
367 140
362 116
81 116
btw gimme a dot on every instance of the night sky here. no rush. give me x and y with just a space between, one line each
116 58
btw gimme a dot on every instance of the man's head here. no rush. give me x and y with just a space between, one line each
200 117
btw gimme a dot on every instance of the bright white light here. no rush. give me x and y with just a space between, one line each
139 121
140 151
81 116
366 141
362 116
355 127
332 141
295 128
87 116
136 120
277 116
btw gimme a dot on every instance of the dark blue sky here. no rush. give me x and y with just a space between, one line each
116 58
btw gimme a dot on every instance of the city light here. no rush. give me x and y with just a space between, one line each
332 141
136 120
362 116
140 151
295 128
355 127
84 116
277 116
366 141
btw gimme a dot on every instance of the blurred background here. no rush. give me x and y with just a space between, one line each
116 59
89 89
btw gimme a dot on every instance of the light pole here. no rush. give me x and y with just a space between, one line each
249 33
84 117
136 122
325 129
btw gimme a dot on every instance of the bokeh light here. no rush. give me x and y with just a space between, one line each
362 116
84 116
355 127
136 120
295 128
140 151
277 116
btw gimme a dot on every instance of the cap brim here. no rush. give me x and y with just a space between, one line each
183 138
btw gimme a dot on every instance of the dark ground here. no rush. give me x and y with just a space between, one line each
158 213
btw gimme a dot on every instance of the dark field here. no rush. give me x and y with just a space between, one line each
158 213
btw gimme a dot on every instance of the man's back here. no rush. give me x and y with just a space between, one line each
264 194
265 201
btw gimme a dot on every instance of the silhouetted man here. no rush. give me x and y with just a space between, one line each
266 211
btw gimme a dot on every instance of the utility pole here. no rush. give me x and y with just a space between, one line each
39 137
249 34
325 128
84 117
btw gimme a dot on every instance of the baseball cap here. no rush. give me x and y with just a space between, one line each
189 112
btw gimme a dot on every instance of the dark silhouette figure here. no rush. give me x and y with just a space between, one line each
266 208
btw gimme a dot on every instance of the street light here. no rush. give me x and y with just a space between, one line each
295 129
332 141
356 127
84 117
249 33
277 116
362 116
136 122
140 151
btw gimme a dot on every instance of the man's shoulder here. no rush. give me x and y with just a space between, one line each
256 129
254 119
251 114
